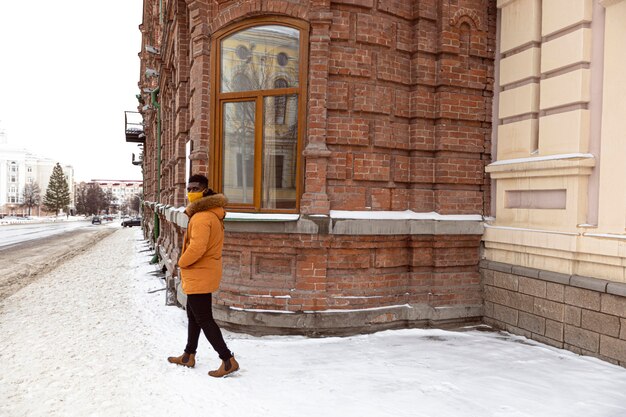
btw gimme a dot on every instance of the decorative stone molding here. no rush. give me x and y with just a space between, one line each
571 164
504 3
608 3
469 16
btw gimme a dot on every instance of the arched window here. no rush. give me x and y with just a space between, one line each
280 102
258 113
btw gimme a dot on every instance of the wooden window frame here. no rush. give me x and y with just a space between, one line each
218 99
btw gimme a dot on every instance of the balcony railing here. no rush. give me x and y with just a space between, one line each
133 123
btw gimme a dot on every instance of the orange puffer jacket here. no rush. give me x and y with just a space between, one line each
201 260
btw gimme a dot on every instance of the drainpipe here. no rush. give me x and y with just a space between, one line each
156 105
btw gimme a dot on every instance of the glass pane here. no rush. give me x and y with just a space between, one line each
280 140
238 162
254 58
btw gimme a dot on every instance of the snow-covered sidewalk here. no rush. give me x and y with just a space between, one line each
90 339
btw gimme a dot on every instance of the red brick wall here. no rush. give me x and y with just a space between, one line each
398 117
399 93
318 272
409 98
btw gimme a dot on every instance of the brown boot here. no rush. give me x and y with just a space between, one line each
186 359
228 367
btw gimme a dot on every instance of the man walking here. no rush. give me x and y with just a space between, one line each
201 272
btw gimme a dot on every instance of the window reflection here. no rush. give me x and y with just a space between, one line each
280 142
238 165
260 53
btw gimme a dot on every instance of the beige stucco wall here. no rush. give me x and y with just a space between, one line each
544 138
612 210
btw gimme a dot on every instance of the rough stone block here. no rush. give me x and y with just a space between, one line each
555 292
572 315
532 286
519 331
613 348
548 341
588 283
574 349
613 304
505 314
532 323
554 330
505 280
509 298
549 309
487 276
524 302
497 295
601 323
582 298
582 338
488 309
622 333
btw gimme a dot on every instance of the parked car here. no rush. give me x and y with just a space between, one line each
96 220
132 222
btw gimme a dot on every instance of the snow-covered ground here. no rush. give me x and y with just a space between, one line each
90 338
39 219
16 233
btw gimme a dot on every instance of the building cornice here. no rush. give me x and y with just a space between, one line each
608 3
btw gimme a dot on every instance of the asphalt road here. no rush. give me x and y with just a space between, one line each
26 251
18 233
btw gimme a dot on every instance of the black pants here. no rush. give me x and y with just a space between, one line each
200 315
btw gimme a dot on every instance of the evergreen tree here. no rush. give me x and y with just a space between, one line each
31 196
58 192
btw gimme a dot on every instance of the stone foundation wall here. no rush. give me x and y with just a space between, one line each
581 314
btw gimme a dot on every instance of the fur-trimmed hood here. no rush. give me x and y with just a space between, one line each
206 203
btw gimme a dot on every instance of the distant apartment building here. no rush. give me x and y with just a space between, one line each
122 190
18 167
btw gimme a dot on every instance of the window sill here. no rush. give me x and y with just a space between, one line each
260 217
340 222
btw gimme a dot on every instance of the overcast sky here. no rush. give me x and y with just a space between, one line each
68 70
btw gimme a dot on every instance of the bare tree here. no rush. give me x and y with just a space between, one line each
31 196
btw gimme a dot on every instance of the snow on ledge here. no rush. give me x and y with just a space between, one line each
333 310
542 158
402 215
605 235
260 310
269 217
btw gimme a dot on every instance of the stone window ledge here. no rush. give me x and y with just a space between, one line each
339 222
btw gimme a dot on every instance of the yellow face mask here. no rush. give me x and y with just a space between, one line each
195 196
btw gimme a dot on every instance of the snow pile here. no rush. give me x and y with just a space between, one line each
91 338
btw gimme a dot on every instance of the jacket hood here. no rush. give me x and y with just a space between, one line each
206 203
